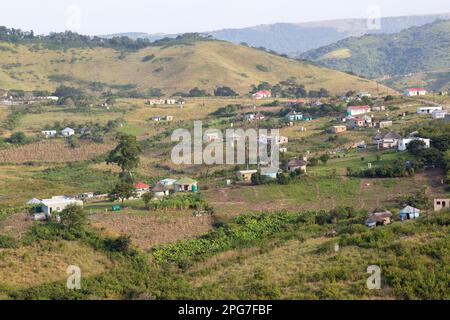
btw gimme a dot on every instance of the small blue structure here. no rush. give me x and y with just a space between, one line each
409 212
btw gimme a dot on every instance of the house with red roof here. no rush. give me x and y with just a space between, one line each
411 92
262 94
140 188
358 110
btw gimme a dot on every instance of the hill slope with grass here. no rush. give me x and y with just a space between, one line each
419 55
170 66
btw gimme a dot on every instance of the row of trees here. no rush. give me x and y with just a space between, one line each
290 88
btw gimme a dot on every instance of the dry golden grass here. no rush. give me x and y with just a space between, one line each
45 262
16 225
56 151
148 229
177 68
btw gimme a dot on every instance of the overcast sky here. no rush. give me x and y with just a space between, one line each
176 16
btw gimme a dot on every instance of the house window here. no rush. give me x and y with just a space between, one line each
443 204
438 203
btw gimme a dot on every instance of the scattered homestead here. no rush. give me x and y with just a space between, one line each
440 204
378 219
408 213
428 110
411 92
262 94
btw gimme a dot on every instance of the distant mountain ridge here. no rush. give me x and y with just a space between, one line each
296 38
415 56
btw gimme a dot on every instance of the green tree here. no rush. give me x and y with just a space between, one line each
324 158
73 217
18 138
122 191
126 154
414 147
147 198
225 92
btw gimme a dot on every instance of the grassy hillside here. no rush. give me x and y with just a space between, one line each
419 50
172 68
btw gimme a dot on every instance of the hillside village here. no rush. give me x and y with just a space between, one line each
86 172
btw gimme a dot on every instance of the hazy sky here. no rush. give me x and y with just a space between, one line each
175 16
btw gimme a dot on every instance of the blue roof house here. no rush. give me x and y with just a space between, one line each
409 212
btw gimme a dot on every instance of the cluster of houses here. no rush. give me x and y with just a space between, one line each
294 165
46 208
435 111
155 102
392 140
383 218
407 213
358 117
15 101
66 132
165 187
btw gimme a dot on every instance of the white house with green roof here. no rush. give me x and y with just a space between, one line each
186 185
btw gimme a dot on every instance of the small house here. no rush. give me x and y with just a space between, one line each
358 110
387 141
307 117
440 204
168 118
408 213
383 124
364 95
262 94
428 110
160 190
167 182
296 165
356 123
67 132
181 101
378 108
140 189
245 175
411 92
186 185
439 114
156 119
293 116
171 101
48 133
378 219
58 204
403 143
269 173
338 129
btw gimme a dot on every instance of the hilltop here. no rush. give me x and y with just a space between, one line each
171 65
418 55
296 38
